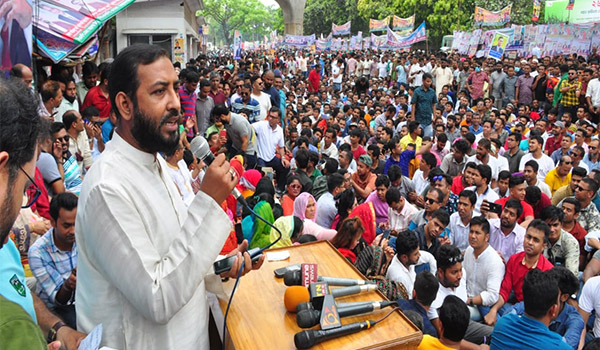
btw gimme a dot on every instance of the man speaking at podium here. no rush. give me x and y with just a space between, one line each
145 260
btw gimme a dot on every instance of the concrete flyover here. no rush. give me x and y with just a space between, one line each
293 15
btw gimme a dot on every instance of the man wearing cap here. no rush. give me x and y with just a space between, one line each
363 180
553 142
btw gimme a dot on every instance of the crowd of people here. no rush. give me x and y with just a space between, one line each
467 188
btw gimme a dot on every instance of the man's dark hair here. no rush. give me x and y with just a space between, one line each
442 137
567 282
485 171
88 69
392 195
533 164
192 77
429 159
516 204
49 90
470 137
448 255
19 125
427 76
426 286
575 202
552 213
219 110
413 126
538 138
331 166
65 200
516 180
124 73
539 292
302 158
69 118
592 184
89 112
406 243
462 146
454 316
375 149
105 70
480 221
334 181
382 180
394 173
533 194
442 215
503 175
470 195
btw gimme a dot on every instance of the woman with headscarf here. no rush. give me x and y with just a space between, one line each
291 228
305 207
248 182
366 213
255 230
294 187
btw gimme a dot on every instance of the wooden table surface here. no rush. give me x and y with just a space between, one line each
258 318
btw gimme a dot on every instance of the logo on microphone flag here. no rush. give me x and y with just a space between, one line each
309 274
330 317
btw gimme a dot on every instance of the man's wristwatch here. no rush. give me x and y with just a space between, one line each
54 331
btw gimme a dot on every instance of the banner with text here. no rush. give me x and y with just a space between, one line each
376 25
403 26
486 18
397 41
343 29
301 41
583 11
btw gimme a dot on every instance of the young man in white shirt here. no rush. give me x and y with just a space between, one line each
545 163
481 178
400 211
402 267
484 267
530 172
459 221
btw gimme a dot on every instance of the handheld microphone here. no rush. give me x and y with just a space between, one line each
309 338
310 317
201 150
294 278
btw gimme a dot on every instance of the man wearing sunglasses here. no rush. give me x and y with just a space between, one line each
571 90
589 217
246 102
592 158
21 310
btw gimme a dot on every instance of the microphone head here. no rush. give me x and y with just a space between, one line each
295 295
305 306
305 339
200 148
308 318
292 278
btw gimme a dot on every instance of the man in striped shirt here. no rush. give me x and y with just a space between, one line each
187 97
247 103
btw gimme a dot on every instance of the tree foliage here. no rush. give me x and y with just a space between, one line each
250 17
320 14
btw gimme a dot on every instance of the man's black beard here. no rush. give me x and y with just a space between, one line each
148 135
8 217
69 98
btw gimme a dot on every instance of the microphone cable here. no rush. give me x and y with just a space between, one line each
242 269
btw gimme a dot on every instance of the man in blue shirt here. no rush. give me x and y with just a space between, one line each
530 331
424 293
568 323
423 104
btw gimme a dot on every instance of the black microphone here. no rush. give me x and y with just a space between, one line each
294 278
310 317
309 338
201 150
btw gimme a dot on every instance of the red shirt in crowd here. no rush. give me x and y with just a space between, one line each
314 77
96 98
527 209
579 233
515 274
552 144
42 205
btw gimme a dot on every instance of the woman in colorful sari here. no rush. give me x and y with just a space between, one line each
294 187
305 207
291 228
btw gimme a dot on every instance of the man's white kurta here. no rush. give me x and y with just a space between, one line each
144 258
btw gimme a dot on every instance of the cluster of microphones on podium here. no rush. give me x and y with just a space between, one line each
314 302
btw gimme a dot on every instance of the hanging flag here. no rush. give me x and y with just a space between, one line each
376 25
343 29
488 18
570 5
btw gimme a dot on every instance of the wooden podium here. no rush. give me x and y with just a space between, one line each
258 318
